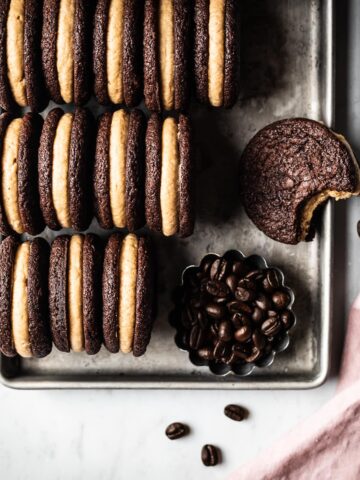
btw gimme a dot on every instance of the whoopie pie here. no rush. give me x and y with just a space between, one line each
117 52
217 51
64 167
167 39
118 179
75 293
19 199
66 49
127 294
24 325
21 80
169 176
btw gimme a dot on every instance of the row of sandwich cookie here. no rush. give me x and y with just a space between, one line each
121 50
76 295
126 171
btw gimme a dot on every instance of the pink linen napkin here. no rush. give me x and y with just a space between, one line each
325 446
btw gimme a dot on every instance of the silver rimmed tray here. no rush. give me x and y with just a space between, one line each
287 70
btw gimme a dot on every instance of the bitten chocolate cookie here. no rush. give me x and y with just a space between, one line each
117 52
166 54
128 292
168 183
66 49
24 327
64 167
288 169
217 51
21 82
119 170
19 199
75 293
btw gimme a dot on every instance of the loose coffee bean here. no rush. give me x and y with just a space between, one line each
235 412
247 283
238 306
176 430
225 331
272 313
237 320
209 455
255 275
255 355
258 315
186 318
205 353
263 302
220 349
231 281
281 299
259 340
197 337
216 288
206 263
241 350
218 269
230 359
202 320
215 311
272 281
271 327
245 295
240 268
287 318
242 334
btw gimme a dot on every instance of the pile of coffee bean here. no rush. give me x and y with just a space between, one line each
233 312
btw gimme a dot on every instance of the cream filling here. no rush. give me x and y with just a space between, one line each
15 51
167 52
127 295
114 51
9 180
19 309
117 159
216 63
75 298
60 169
317 200
170 162
65 49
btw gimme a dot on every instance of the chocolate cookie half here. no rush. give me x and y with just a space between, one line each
64 167
24 327
128 289
19 199
21 79
217 51
288 169
66 49
119 170
74 293
166 54
117 52
169 172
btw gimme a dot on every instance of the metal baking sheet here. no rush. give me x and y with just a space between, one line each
287 71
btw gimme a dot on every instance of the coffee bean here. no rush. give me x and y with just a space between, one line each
245 295
263 302
242 334
230 359
206 263
281 299
272 281
241 350
209 455
201 320
247 283
272 313
255 355
287 318
271 327
176 430
215 311
220 349
232 281
197 337
216 288
218 269
259 340
240 268
235 412
186 318
205 353
225 331
237 320
214 329
255 275
258 315
238 306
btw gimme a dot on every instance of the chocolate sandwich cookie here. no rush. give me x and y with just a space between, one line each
21 79
119 170
66 49
127 289
24 327
19 200
65 166
75 293
168 182
117 52
288 169
217 51
166 54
